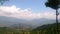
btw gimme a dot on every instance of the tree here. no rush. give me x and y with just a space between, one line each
54 4
2 1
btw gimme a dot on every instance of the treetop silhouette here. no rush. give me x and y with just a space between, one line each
2 1
55 4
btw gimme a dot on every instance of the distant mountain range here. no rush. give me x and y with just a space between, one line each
8 21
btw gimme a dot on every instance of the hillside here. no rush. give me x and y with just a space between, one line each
44 29
7 30
21 26
47 29
15 29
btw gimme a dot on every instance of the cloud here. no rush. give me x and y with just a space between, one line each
13 11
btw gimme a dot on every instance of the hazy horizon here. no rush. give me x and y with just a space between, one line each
30 10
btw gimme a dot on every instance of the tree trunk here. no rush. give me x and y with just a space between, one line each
57 20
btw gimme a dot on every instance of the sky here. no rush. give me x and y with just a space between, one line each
27 9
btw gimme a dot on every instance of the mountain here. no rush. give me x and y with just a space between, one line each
42 21
8 21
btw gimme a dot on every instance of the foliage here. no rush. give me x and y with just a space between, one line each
47 29
44 29
7 30
53 4
2 1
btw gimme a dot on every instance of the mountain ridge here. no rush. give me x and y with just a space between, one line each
8 21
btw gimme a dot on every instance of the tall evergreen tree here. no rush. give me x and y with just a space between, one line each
54 4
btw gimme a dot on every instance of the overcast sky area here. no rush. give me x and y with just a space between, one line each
27 9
